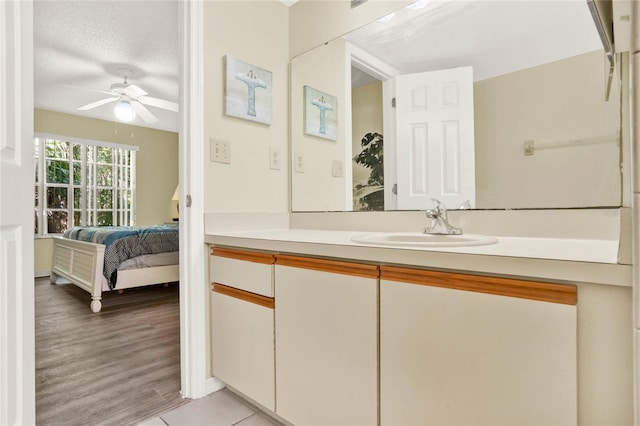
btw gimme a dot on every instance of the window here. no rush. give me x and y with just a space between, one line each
82 183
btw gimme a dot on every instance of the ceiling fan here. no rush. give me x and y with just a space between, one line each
131 100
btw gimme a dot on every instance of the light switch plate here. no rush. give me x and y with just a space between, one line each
336 168
274 158
220 151
298 162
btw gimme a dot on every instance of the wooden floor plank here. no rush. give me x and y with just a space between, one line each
117 367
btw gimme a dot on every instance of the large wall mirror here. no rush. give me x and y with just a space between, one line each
481 104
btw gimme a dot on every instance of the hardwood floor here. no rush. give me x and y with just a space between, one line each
117 367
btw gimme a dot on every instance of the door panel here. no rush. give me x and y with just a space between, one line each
17 365
435 148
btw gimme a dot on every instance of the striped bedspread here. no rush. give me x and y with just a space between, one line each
126 242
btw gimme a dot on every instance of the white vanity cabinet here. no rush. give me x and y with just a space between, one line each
461 349
242 322
326 341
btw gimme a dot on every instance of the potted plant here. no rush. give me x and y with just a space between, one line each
372 157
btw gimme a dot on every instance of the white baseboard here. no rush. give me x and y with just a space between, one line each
42 274
213 384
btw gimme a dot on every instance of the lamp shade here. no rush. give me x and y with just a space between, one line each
124 111
176 194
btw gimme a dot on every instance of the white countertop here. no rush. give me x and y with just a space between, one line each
561 260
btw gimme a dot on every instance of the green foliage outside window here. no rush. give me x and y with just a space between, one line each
79 185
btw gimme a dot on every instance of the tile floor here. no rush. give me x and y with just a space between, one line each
221 408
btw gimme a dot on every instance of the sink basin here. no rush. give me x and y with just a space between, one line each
417 239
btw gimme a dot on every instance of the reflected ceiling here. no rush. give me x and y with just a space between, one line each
507 35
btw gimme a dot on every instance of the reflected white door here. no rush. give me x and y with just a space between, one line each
435 138
17 353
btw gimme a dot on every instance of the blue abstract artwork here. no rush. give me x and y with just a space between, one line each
320 114
248 91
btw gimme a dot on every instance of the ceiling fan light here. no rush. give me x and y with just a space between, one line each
124 111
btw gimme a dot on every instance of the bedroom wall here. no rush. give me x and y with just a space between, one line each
156 166
260 38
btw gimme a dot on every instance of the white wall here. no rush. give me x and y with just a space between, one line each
316 189
605 355
562 100
314 22
255 32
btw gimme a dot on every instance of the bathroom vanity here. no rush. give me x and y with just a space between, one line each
318 329
532 330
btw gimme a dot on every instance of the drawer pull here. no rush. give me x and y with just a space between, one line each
267 302
250 256
546 292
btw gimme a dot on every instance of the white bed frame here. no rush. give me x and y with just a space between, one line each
82 263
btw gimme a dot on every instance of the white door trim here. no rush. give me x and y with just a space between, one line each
194 352
385 73
17 320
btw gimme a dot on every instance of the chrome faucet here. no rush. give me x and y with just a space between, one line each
440 222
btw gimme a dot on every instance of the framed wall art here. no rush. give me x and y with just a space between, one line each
320 114
248 91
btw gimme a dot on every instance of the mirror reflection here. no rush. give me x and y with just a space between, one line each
481 104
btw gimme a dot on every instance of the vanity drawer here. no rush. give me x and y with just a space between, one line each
242 343
244 270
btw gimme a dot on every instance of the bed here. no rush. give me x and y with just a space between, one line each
107 258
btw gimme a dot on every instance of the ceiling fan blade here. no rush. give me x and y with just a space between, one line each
90 90
133 91
97 104
144 113
159 103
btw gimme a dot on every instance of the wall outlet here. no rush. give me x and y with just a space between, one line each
220 151
274 158
298 162
336 168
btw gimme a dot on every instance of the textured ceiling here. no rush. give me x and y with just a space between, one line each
495 37
79 46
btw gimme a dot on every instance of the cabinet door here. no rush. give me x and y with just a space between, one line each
242 322
245 270
453 357
326 342
242 343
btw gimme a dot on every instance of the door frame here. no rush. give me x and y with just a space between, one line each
194 342
195 383
17 326
384 72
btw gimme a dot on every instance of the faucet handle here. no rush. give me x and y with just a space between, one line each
440 223
432 213
439 207
465 206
